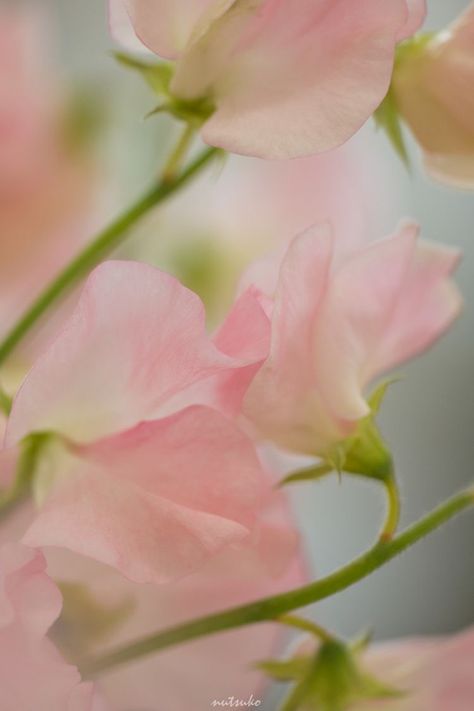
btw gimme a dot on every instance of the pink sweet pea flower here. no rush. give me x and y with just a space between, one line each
436 674
223 222
33 675
434 89
339 321
192 675
152 497
285 78
431 674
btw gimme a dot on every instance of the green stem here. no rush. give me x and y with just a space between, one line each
300 623
270 608
105 242
177 156
393 515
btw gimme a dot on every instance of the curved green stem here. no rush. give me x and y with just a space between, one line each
393 515
179 153
105 242
304 625
273 607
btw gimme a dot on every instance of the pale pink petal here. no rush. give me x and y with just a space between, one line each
244 335
121 27
245 332
26 593
433 85
416 16
436 673
428 303
164 26
292 78
283 401
158 500
360 299
339 321
32 673
190 676
86 697
453 169
135 340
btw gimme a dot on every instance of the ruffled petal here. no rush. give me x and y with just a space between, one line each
157 501
293 78
136 339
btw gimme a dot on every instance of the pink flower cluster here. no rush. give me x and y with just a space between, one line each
152 466
147 430
150 414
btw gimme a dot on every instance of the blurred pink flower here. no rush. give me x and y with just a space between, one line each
153 497
33 674
46 185
436 674
339 320
192 675
227 219
434 88
285 78
432 673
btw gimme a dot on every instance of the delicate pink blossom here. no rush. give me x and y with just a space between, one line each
286 78
434 89
340 320
435 674
192 675
33 674
153 497
431 673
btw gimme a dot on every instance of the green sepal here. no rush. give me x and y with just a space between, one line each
332 679
294 669
413 48
387 118
192 112
365 453
310 474
158 76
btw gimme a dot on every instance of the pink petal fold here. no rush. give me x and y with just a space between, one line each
433 85
32 673
164 26
191 676
417 10
286 78
156 501
136 339
295 78
340 320
435 673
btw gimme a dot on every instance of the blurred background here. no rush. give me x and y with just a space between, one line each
427 418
